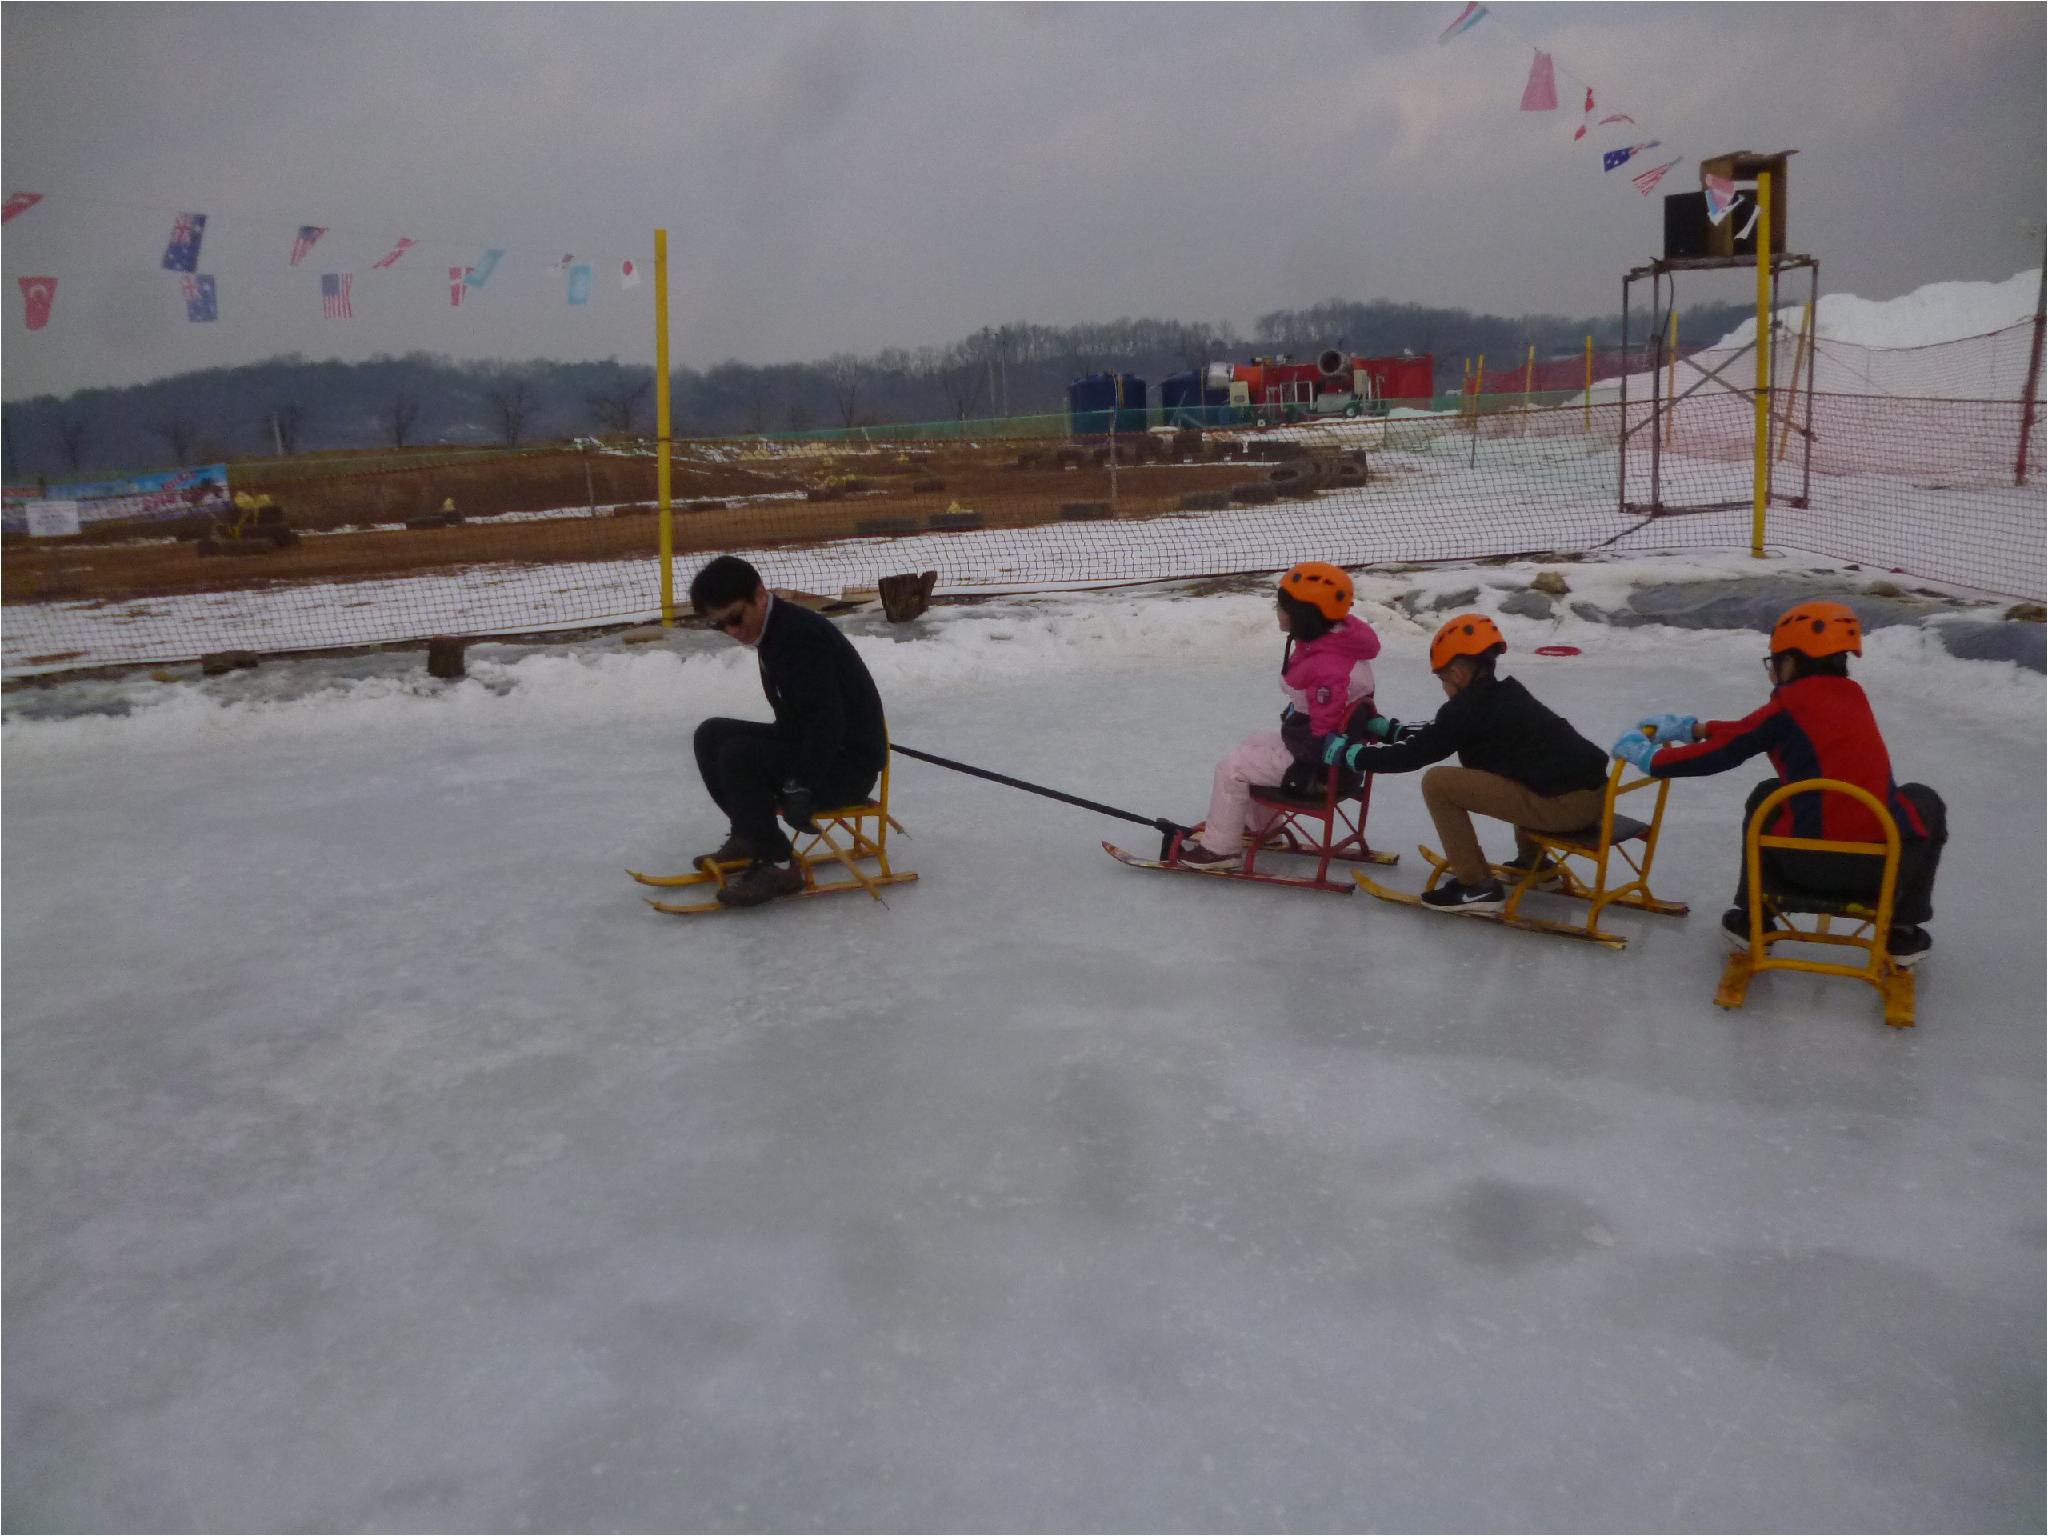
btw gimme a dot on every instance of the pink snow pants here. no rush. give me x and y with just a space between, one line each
1261 758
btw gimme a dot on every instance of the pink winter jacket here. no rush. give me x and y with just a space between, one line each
1326 678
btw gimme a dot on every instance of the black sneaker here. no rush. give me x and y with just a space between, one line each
1548 871
760 882
1909 946
1735 927
734 850
1453 897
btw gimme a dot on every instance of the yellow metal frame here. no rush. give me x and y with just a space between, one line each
1620 874
866 827
1872 933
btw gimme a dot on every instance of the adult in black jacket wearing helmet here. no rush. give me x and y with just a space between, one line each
825 747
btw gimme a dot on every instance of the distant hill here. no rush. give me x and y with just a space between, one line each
305 405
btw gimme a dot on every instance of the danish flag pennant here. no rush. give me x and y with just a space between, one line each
38 293
18 202
458 280
405 243
1588 118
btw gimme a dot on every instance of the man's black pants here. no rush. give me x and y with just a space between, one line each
744 764
1856 876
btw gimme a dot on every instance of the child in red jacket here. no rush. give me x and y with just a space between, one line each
1817 725
1327 677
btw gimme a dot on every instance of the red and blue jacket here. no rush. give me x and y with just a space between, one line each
1819 727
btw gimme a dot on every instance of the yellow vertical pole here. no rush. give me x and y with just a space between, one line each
661 428
1465 387
1589 381
1802 350
1671 378
1760 493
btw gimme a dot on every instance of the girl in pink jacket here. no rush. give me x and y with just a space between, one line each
1327 677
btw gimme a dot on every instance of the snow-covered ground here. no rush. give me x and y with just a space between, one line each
376 1160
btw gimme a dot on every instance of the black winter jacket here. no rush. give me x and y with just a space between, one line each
1497 726
825 702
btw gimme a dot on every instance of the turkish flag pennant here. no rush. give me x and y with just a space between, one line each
38 293
18 202
1540 94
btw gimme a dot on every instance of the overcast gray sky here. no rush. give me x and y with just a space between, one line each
854 177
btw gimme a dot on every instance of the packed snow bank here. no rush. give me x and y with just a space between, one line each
1934 313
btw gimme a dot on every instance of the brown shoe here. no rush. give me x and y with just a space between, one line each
1195 856
734 850
760 882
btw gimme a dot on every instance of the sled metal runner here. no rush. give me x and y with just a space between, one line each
1616 852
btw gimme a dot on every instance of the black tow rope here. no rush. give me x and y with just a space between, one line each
1167 830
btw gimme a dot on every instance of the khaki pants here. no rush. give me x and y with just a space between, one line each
1452 794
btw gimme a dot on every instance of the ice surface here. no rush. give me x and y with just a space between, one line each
376 1160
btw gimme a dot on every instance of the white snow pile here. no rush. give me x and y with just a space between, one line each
1933 313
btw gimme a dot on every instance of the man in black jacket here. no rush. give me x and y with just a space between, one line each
825 748
1523 762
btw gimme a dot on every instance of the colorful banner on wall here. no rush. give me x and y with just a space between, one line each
458 279
334 304
1721 197
405 243
579 283
1615 157
1468 18
308 237
201 303
629 275
1646 181
481 272
201 488
182 254
38 294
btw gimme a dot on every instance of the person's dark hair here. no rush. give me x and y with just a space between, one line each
1305 621
1804 665
728 579
1483 664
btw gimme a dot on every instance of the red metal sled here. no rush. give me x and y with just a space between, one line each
1327 826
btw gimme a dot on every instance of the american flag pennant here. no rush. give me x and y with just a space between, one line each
458 279
18 202
201 302
629 275
38 294
481 272
579 283
1581 133
1721 197
1540 94
1646 181
1615 157
1468 18
334 303
405 243
308 237
182 254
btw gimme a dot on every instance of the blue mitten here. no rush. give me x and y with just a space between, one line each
1668 728
1634 747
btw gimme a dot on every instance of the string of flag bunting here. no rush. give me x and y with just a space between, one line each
201 290
1539 94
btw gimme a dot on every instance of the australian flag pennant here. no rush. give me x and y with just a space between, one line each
182 254
481 272
579 283
201 302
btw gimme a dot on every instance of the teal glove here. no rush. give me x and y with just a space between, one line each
1669 728
1334 748
1634 747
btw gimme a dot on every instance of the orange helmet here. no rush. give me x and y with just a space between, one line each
1469 634
1818 629
1323 587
